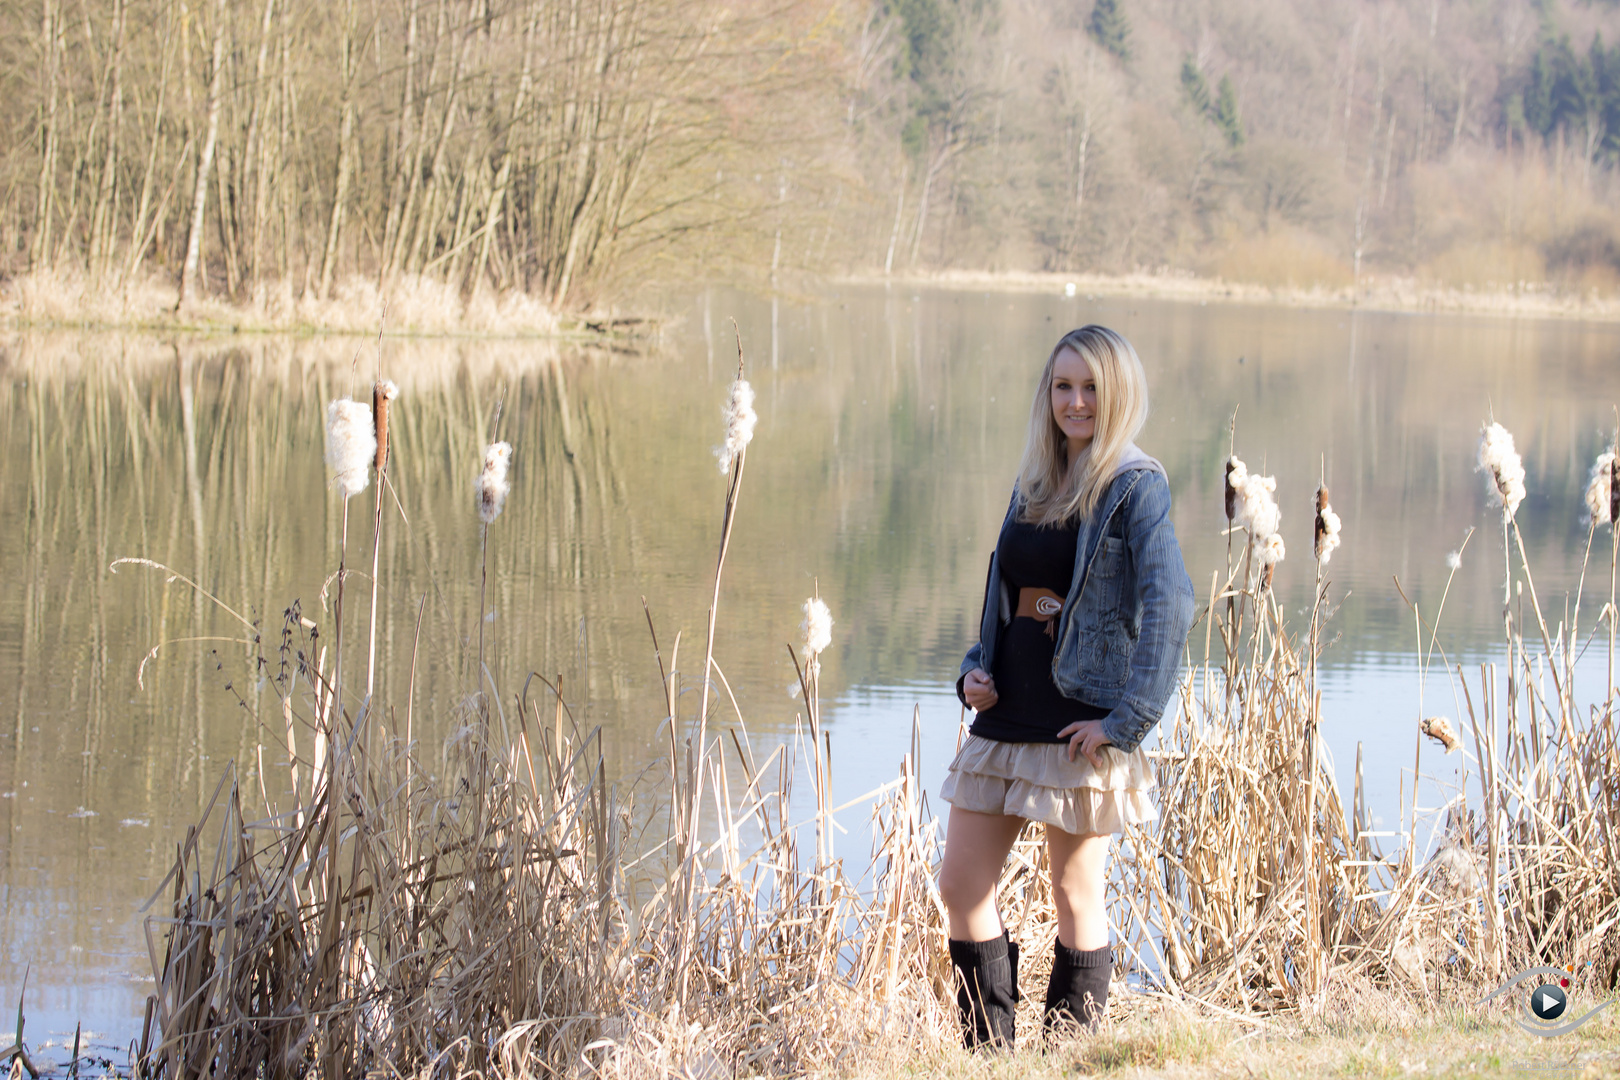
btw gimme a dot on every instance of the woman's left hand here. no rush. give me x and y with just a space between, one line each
1087 737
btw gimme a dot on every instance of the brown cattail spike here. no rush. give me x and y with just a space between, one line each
382 393
1231 492
1614 490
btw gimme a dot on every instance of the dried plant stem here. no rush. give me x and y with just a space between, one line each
337 621
483 590
1614 613
376 550
697 751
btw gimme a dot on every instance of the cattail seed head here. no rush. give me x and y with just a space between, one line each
1257 508
1270 552
1327 527
1454 869
1614 489
1602 498
817 628
382 393
740 420
350 445
1273 550
1236 475
1440 730
492 485
1502 464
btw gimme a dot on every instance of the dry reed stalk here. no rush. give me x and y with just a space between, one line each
383 392
740 420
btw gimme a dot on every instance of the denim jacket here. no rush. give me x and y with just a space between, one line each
1125 621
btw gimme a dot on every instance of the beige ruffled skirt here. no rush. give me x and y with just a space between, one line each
1037 781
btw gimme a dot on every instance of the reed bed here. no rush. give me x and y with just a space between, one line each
501 906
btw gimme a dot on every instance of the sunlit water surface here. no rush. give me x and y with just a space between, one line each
890 427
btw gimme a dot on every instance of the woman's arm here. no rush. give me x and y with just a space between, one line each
1165 593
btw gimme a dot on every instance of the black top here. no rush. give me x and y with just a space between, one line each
1029 707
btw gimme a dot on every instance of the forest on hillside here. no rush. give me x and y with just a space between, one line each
236 149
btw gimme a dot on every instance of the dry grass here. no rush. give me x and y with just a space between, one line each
1284 258
1530 298
414 305
499 908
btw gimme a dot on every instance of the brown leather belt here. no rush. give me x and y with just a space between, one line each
1042 605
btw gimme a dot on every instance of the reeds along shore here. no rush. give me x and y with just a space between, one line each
500 905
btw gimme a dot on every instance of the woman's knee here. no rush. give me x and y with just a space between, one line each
976 847
1071 897
1079 869
964 884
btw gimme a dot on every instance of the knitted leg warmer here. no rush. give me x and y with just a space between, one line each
1078 991
987 989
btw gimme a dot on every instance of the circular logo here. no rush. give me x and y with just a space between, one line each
1048 606
1548 1001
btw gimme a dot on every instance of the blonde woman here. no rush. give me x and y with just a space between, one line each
1086 612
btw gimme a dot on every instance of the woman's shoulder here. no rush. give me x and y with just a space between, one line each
1133 458
1142 482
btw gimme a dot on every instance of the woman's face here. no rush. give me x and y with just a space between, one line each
1074 399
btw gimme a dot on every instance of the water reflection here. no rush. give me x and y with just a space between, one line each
890 427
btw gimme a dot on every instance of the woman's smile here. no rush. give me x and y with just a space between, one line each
1074 399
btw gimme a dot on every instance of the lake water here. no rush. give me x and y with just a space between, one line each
890 427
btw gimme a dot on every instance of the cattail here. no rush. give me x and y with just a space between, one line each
350 445
1602 492
740 420
817 627
381 394
1327 527
1258 511
1236 475
1271 551
492 485
1454 560
1498 458
1251 502
1440 730
1455 868
1614 489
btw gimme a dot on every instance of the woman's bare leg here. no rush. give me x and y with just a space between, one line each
1079 877
976 847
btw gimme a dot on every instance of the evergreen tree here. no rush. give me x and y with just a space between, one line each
1110 28
1226 112
1538 95
1194 86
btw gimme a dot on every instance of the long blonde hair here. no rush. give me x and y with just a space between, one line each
1051 493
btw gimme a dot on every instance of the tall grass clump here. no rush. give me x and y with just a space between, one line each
487 906
364 906
1263 887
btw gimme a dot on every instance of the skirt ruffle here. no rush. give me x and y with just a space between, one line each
1037 781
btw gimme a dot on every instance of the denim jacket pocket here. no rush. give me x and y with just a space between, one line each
1105 661
1107 584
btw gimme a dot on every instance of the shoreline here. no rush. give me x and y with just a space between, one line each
424 308
410 307
1384 294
